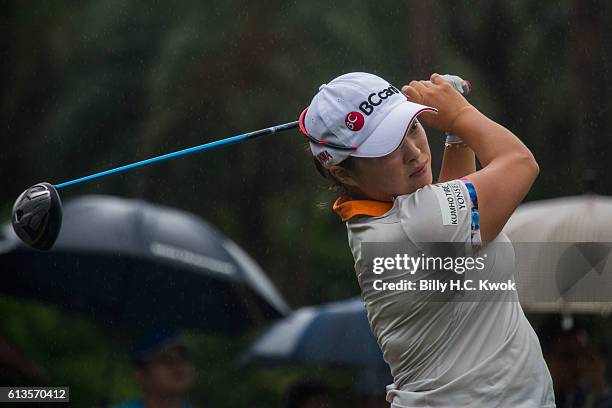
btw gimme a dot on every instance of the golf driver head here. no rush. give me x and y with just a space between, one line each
37 216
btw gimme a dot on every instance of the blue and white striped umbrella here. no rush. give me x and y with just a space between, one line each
334 334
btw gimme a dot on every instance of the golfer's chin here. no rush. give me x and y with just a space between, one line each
414 182
405 185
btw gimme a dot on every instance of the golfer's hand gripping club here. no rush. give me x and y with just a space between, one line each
436 93
463 87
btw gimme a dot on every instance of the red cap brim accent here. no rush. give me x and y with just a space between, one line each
301 122
311 139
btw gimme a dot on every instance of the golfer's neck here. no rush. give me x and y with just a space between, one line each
162 401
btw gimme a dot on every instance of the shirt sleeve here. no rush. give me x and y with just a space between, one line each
444 212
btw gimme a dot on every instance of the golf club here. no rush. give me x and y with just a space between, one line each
37 213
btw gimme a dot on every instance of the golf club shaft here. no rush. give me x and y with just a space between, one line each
195 149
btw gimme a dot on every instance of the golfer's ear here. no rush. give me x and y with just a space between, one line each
343 176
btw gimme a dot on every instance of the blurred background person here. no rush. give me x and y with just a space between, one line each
593 376
578 368
163 371
560 348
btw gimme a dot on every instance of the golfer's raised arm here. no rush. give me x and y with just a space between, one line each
458 161
508 166
508 172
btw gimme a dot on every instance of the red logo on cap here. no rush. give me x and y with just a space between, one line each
354 121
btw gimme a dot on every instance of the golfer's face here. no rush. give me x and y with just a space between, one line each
170 372
404 171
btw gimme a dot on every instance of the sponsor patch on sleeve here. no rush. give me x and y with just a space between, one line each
451 200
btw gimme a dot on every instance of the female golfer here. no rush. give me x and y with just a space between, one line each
365 137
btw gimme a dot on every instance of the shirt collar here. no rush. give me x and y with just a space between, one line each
348 208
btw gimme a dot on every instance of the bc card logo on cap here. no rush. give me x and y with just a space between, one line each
354 121
376 98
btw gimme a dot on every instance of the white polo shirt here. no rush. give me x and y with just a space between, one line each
450 354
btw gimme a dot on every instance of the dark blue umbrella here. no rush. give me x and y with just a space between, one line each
133 264
334 334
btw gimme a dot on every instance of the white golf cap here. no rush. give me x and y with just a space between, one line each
357 114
